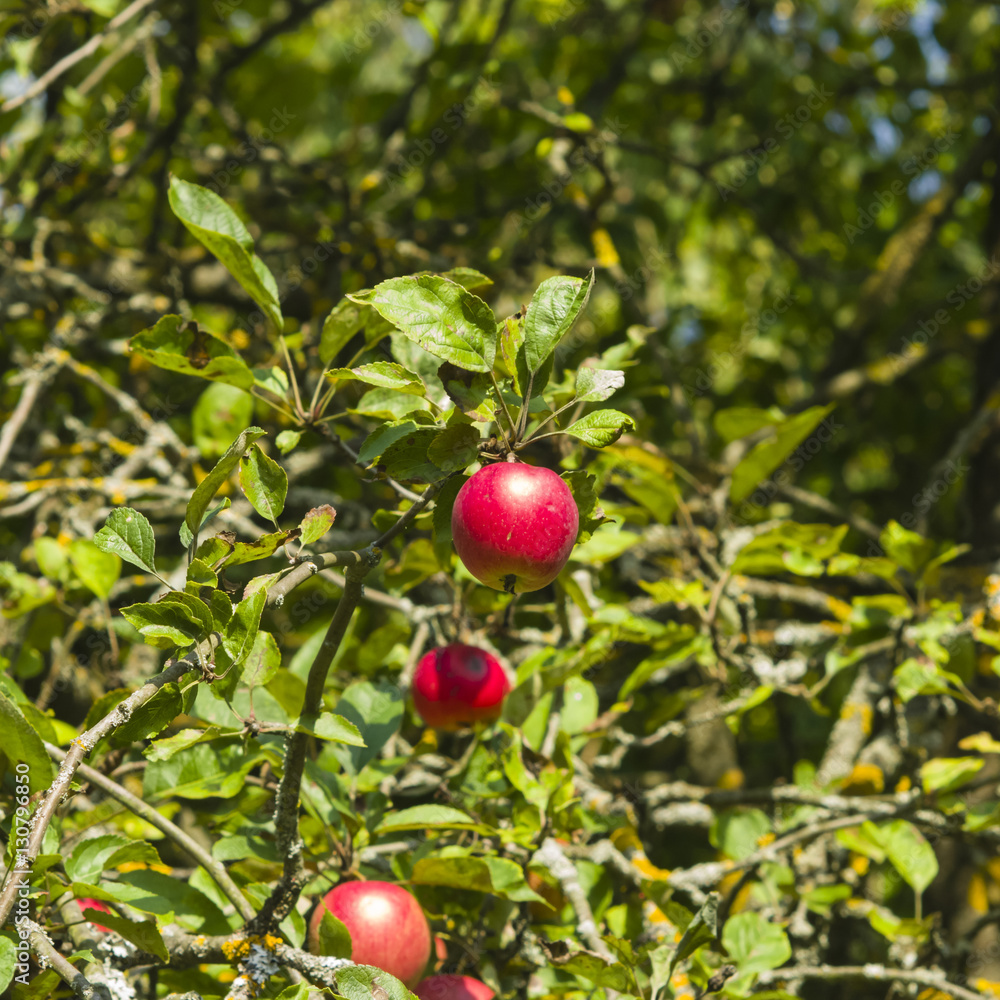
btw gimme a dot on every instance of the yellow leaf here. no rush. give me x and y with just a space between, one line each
978 897
604 248
864 779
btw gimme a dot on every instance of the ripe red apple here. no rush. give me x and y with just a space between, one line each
388 928
449 987
514 526
95 904
457 685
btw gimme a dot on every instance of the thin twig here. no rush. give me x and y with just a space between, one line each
145 811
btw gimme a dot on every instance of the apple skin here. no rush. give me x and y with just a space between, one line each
451 987
95 904
514 526
457 685
388 928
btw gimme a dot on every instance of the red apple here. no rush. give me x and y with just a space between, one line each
388 928
95 904
456 685
447 987
514 526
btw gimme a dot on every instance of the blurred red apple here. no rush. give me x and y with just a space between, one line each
447 987
440 952
457 685
95 904
514 526
388 928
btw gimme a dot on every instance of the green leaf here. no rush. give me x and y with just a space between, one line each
425 817
907 548
455 447
97 569
184 532
218 228
444 503
944 774
742 421
554 308
174 620
441 317
469 391
199 575
222 413
382 437
334 728
610 975
600 428
909 852
583 486
387 404
365 982
144 934
177 345
263 660
202 771
767 455
737 833
334 937
166 748
97 854
383 374
913 677
496 876
209 486
8 961
316 523
154 892
128 535
377 711
510 339
344 321
595 384
407 459
287 440
52 558
20 744
149 719
264 482
241 630
704 927
755 943
468 278
260 548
